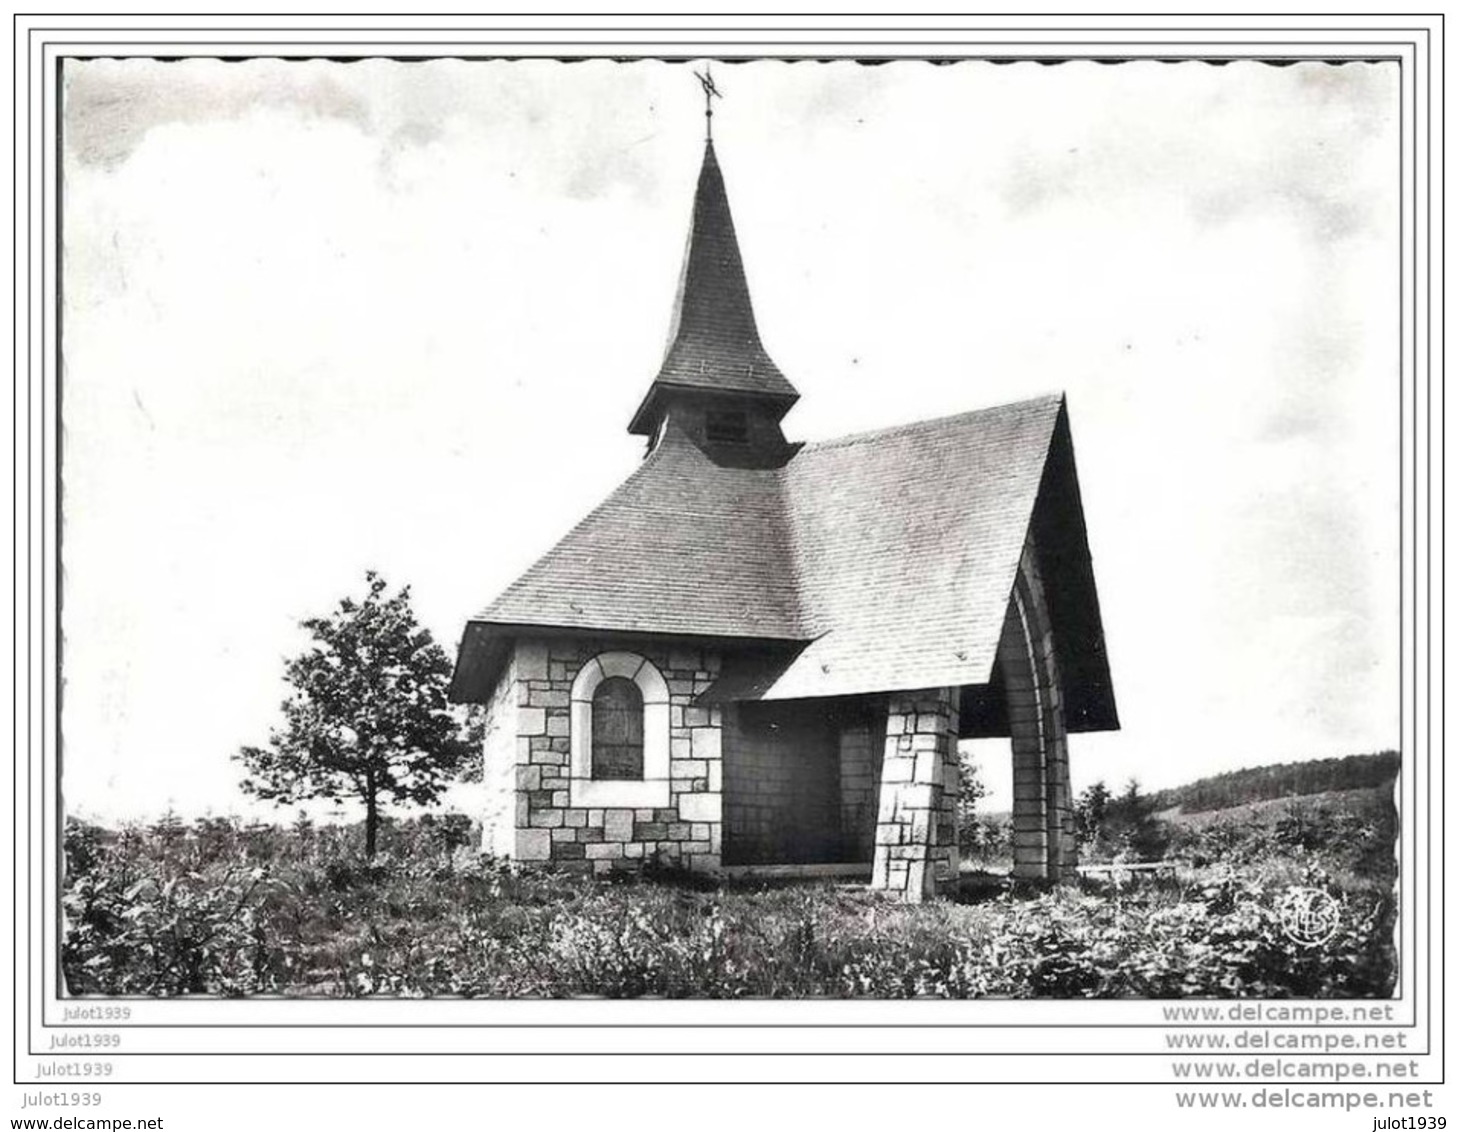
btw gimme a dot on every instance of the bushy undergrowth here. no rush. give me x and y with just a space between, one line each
216 908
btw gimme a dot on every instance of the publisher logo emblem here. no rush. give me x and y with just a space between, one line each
1309 916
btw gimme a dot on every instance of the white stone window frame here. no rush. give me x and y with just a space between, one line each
635 793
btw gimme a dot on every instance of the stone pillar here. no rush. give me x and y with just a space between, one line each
1025 719
916 833
1062 840
1044 845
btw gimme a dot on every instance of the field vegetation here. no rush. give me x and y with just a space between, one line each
223 908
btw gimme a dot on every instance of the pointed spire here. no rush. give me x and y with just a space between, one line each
713 343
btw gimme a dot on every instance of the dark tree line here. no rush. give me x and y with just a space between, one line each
1283 780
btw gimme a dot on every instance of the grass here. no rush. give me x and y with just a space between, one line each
218 908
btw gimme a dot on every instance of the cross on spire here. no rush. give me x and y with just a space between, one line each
711 92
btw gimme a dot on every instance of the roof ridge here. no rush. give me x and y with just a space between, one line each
929 423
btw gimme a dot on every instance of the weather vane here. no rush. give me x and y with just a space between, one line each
711 92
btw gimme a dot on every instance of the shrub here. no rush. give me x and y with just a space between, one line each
220 908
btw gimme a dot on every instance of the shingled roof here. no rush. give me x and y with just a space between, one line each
875 562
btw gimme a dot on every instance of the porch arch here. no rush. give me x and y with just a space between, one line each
1044 846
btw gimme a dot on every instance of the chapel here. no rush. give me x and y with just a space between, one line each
759 655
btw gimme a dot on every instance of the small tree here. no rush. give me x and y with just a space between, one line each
368 716
1131 828
1089 812
970 833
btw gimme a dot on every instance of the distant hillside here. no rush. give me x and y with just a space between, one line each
1283 780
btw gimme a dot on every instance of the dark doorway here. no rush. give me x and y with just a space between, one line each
782 799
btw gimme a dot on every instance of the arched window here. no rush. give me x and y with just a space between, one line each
617 730
619 733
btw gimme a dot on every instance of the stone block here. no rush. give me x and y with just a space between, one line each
618 825
531 721
604 850
650 830
695 717
633 849
708 743
568 851
679 831
681 747
889 833
557 725
533 844
700 831
575 818
917 796
531 660
594 818
545 819
562 833
560 799
701 807
716 776
528 778
688 768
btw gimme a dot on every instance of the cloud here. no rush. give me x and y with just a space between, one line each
112 104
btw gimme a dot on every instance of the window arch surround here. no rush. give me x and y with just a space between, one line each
651 789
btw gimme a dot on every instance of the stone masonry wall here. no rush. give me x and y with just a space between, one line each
916 828
548 828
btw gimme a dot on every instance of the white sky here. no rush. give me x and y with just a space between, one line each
325 317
